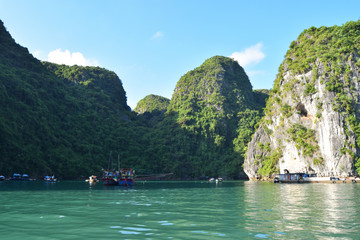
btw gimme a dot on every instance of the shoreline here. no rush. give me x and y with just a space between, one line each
310 180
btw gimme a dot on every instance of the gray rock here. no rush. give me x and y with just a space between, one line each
314 112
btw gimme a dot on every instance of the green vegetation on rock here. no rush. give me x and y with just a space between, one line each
269 163
321 59
304 139
152 103
62 120
214 112
57 119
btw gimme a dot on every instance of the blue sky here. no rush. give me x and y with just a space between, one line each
150 44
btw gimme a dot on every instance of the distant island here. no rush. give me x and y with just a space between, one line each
65 120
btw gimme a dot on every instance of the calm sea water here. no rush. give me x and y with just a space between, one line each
179 210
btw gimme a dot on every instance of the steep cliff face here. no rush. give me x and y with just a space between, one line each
311 121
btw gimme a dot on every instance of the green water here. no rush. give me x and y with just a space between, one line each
179 210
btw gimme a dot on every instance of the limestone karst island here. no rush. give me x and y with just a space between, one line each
62 120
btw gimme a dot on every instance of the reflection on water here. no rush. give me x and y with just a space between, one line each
179 210
305 211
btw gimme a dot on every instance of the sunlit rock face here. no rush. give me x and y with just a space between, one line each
311 120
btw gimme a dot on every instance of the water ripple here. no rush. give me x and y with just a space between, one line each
128 232
180 210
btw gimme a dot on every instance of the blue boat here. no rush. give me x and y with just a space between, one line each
19 177
25 177
2 178
16 177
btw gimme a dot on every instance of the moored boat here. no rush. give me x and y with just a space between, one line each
16 177
311 178
25 177
122 177
50 178
2 178
20 177
110 177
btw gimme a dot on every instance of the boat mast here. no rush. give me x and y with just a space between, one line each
110 161
118 162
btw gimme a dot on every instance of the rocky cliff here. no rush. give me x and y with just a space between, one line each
311 121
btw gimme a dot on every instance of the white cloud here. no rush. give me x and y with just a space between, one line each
68 58
251 55
158 35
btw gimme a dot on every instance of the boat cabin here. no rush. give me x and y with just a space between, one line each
290 176
294 177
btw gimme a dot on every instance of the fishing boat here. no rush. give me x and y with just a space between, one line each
110 177
126 177
50 178
120 177
92 179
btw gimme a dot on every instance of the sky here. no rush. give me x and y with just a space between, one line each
150 44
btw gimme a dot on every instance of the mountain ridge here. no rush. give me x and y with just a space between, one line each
49 126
